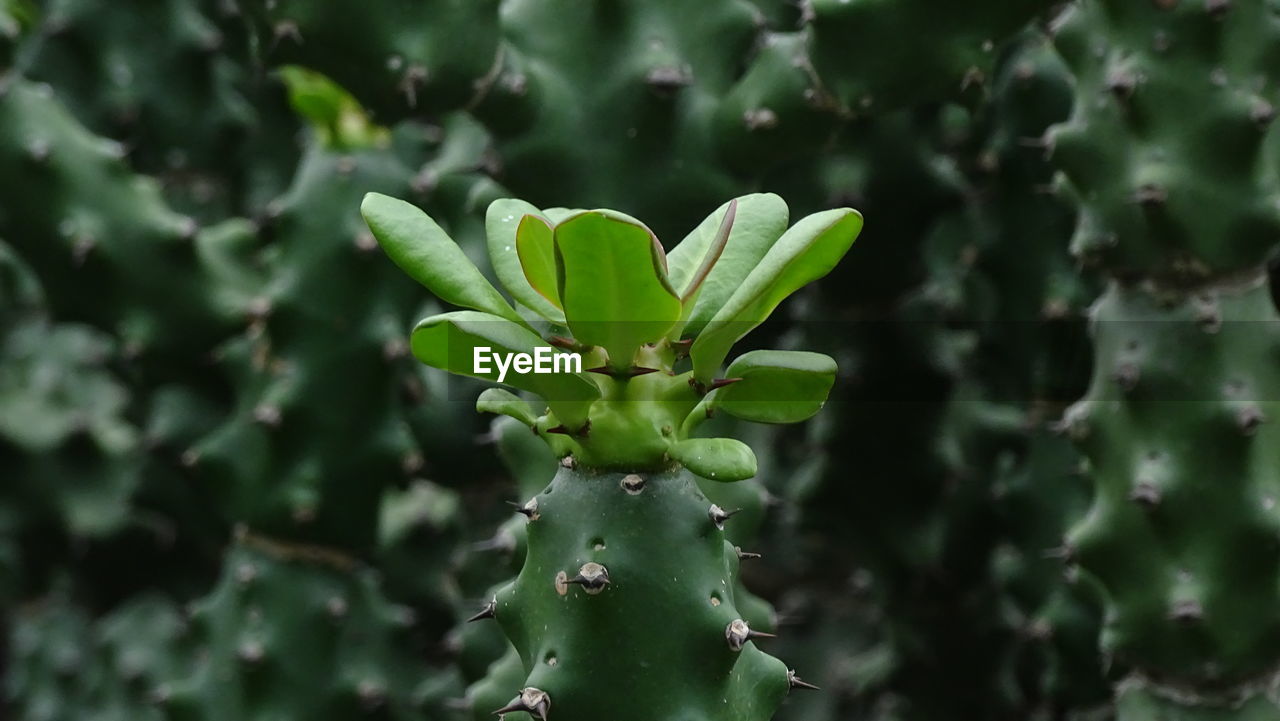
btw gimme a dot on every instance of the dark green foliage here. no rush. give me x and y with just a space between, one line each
1182 532
1166 151
296 383
197 333
323 356
562 127
295 632
175 87
102 242
872 55
1178 208
400 58
112 669
64 436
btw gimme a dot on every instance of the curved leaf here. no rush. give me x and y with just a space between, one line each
760 219
559 215
613 283
423 250
716 459
777 386
501 222
806 252
535 244
504 402
714 250
456 342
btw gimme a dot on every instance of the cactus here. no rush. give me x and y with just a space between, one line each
106 248
480 645
114 667
296 631
1178 209
15 18
63 428
483 646
972 306
622 545
1187 570
870 54
176 88
268 462
401 59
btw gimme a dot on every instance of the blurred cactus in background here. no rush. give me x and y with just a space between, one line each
1043 487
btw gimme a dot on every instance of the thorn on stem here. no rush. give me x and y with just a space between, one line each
795 681
593 577
528 510
490 610
718 515
533 701
737 633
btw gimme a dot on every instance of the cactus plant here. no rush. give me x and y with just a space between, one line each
401 59
90 229
625 605
531 461
297 631
1178 210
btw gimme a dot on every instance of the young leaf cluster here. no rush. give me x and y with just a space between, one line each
653 329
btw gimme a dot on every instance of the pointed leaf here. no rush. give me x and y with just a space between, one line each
501 222
777 386
716 459
455 342
714 251
689 296
759 221
423 250
613 283
535 244
504 402
806 252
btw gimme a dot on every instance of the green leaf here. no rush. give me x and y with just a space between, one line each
450 342
689 296
333 113
716 459
535 244
806 252
759 221
424 251
504 402
501 222
777 386
613 283
714 251
558 215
